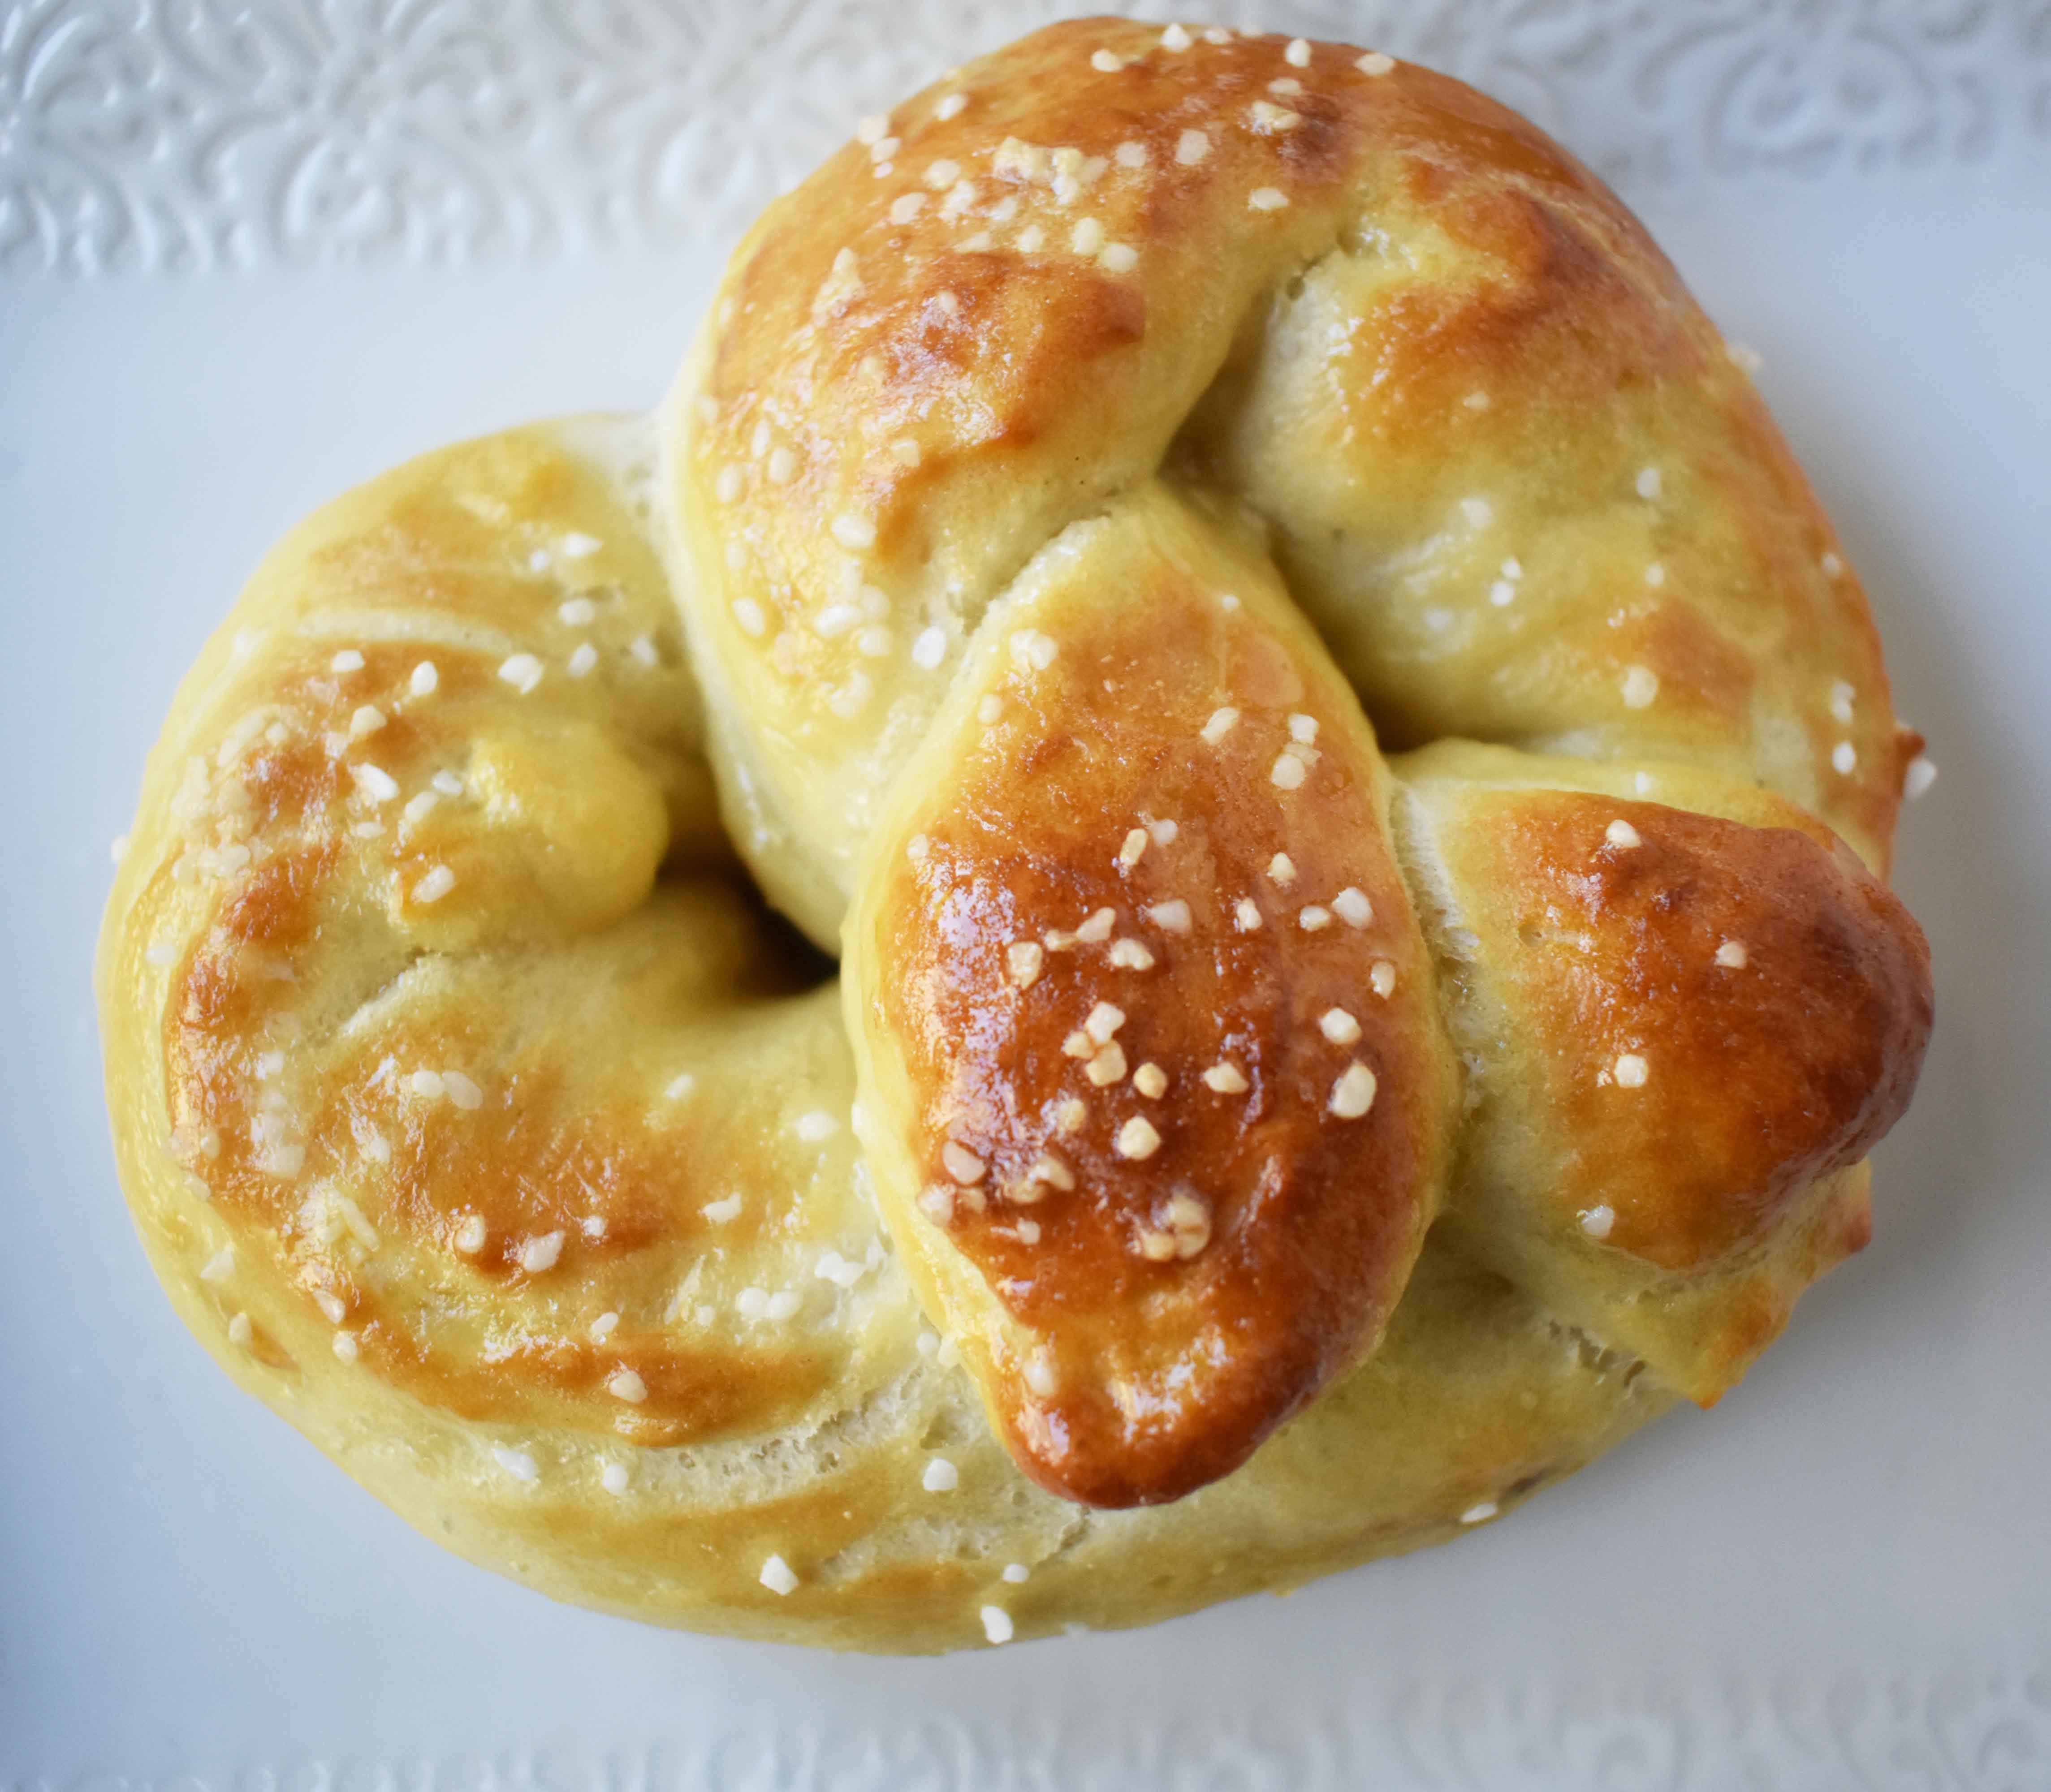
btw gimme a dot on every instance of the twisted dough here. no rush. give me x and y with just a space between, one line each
1063 468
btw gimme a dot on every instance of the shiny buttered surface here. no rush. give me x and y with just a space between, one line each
1223 1154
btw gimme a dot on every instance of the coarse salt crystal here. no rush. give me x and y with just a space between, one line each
540 1254
1138 1138
517 1463
522 671
1353 1094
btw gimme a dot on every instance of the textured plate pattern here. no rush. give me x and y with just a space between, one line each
1955 1730
189 134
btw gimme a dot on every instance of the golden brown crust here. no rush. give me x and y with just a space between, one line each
1494 401
1438 357
1779 998
477 1117
1168 1057
470 1388
410 1105
1695 1025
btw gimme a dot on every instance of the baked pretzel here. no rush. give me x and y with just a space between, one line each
1224 1153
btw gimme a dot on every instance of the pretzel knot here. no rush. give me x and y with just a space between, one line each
1078 483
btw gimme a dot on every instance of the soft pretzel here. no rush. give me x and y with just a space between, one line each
1223 1154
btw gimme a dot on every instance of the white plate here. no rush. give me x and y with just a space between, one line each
243 262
